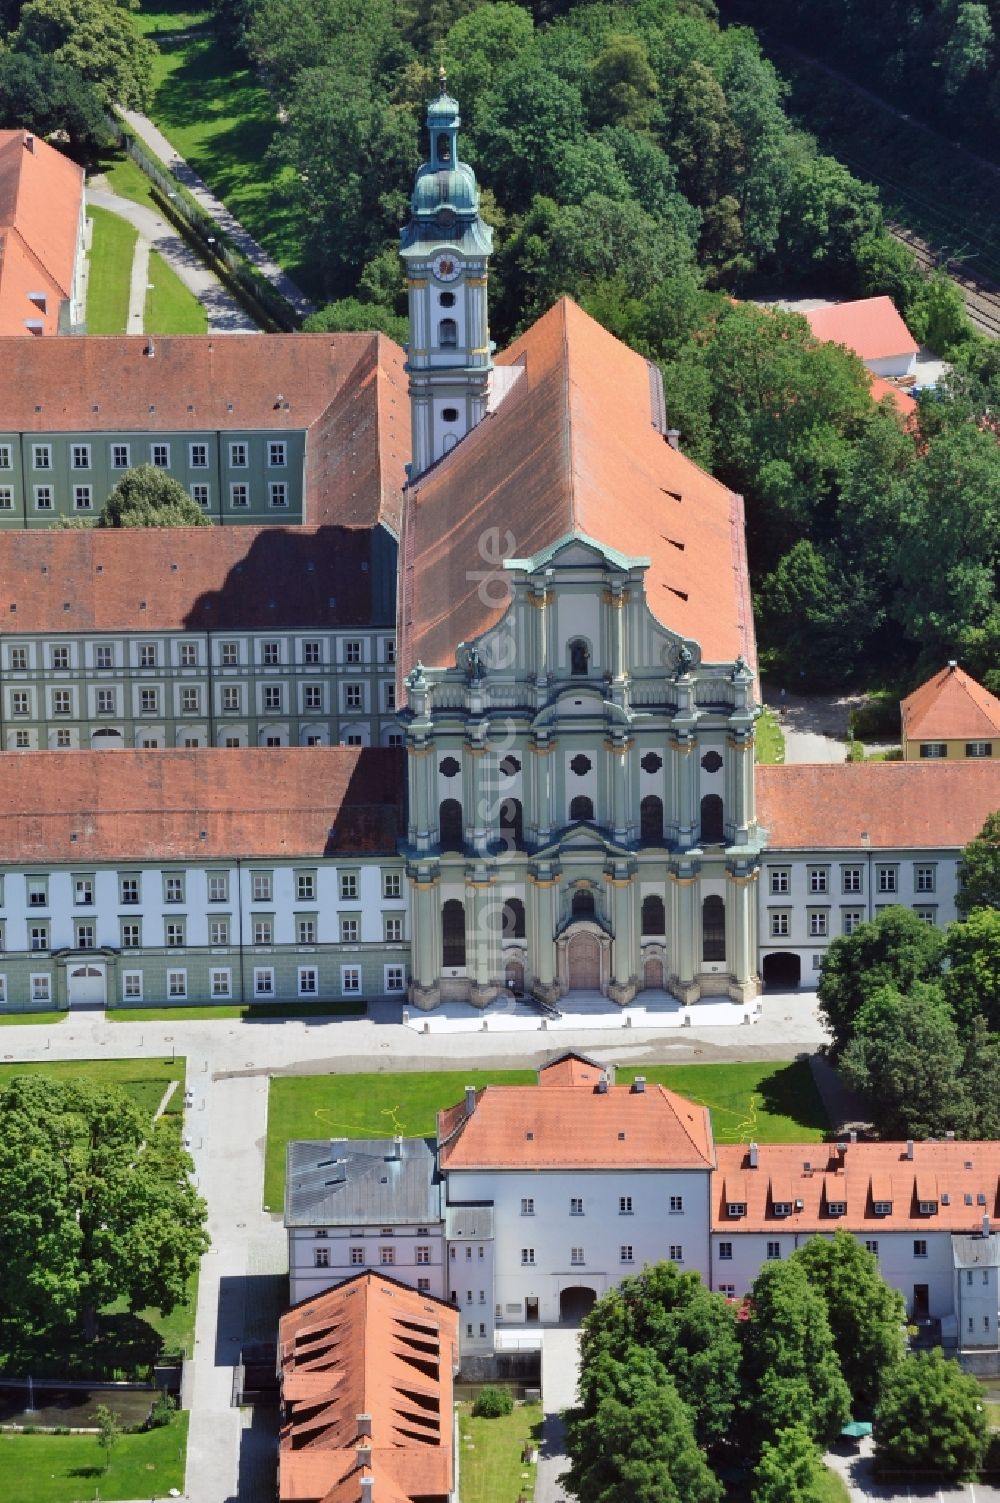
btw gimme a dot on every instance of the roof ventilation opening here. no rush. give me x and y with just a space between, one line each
673 436
278 400
529 1137
150 349
639 1085
986 1226
602 1085
953 663
752 1155
29 144
367 1487
470 1100
909 1149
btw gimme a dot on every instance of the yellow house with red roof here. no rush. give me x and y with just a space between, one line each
950 716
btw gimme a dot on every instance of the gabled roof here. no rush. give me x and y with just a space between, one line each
196 805
904 404
372 1348
571 1068
950 706
968 1174
346 391
41 192
362 1182
869 326
568 1122
574 450
187 579
932 805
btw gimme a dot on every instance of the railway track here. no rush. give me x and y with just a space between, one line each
982 303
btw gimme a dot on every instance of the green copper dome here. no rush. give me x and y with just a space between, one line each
444 206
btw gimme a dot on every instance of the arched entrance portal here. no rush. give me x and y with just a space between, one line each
584 957
85 986
514 977
575 1303
652 975
782 971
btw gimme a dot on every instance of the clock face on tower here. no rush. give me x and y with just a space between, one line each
445 268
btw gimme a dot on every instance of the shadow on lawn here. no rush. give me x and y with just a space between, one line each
126 1348
791 1092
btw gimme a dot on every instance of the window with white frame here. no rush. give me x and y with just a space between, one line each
221 983
624 1205
819 924
357 1256
924 878
6 460
676 1203
392 885
311 654
147 655
149 701
41 456
395 978
64 739
218 931
128 889
919 1247
120 456
261 887
263 981
305 886
173 889
229 655
725 1252
20 702
423 1254
675 1252
159 455
308 981
199 456
933 749
263 931
38 936
201 495
348 884
871 1245
80 456
41 988
818 879
83 935
350 979
277 454
886 878
22 740
6 498
527 1256
353 696
576 1205
106 701
576 1256
393 927
62 702
218 887
780 924
773 1250
625 1253
321 1257
979 748
527 1205
190 701
277 493
390 696
173 934
926 915
390 650
238 455
43 498
83 891
131 931
231 699
851 919
239 495
38 892
272 696
83 498
312 696
177 984
387 1256
348 931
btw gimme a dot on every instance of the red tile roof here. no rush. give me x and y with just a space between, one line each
870 327
950 706
41 193
934 805
864 1174
566 1122
905 405
188 579
348 391
373 1348
197 805
572 449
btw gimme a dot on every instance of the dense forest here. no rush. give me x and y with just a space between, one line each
638 157
939 59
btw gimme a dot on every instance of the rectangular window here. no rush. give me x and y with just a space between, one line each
229 655
624 1205
149 701
173 935
200 495
357 1256
103 657
308 981
306 931
159 455
199 456
238 456
60 658
131 936
147 655
43 498
218 931
886 878
852 878
83 891
933 749
6 498
353 696
919 1247
780 924
272 696
310 653
84 936
277 493
218 887
736 1208
979 748
390 696
239 495
390 650
83 498
625 1253
924 876
676 1203
5 457
348 931
263 982
270 654
350 979
221 983
41 456
41 989
395 979
393 928
277 454
773 1250
119 456
132 985
263 931
871 1246
725 1252
305 885
321 1257
190 701
105 701
576 1206
387 1256
423 1254
851 919
38 892
128 889
188 655
676 1252
926 915
177 984
173 889
576 1256
819 925
392 885
817 879
63 739
527 1256
348 884
231 699
262 887
38 937
19 702
527 1205
22 740
19 659
313 697
352 652
62 702
882 1207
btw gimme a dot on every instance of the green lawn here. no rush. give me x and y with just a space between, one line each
145 1080
833 1489
490 1466
211 108
111 253
170 307
128 180
253 1011
770 1102
70 1468
17 1019
769 738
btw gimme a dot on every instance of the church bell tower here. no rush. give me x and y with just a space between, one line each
446 247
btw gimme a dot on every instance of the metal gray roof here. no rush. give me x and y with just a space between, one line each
473 1221
976 1252
362 1182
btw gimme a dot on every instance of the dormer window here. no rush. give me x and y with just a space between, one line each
736 1208
782 1207
927 1207
882 1207
837 1207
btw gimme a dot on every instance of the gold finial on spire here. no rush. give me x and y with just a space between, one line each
443 79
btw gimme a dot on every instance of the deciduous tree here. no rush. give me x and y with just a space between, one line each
895 949
96 37
979 869
148 497
866 1314
906 1057
931 1418
790 1470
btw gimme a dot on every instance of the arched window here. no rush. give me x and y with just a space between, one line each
579 656
453 933
712 827
451 826
713 929
581 807
651 820
447 333
654 919
512 824
513 919
444 147
583 904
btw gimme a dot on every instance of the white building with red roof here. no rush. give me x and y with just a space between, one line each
873 329
42 224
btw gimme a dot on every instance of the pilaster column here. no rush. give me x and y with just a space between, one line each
618 749
624 963
540 924
421 764
425 946
685 959
741 928
542 772
739 766
483 929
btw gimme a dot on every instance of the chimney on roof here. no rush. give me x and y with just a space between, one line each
909 1149
602 1084
364 1423
364 1455
842 1149
470 1100
853 1135
674 437
986 1224
397 1147
952 663
367 1489
753 1155
639 1085
29 142
150 349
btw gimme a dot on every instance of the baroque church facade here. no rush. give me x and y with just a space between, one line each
575 649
